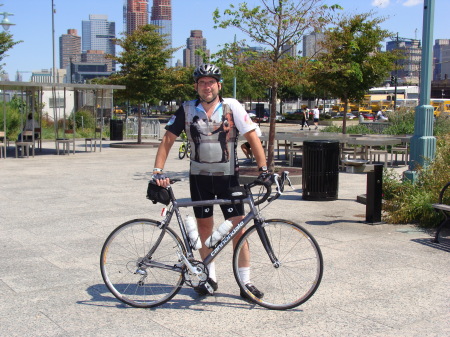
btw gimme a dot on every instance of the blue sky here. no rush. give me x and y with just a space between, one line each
33 19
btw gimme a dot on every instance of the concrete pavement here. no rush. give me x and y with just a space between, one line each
56 212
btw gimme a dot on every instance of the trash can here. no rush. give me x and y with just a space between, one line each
116 129
320 170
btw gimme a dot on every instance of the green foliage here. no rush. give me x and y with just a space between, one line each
276 25
407 202
353 62
142 65
13 119
358 129
401 122
84 119
442 126
6 43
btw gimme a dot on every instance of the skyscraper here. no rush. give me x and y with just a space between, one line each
311 44
98 34
409 65
194 42
162 17
441 59
69 48
135 14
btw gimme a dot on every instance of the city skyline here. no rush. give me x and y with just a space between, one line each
33 24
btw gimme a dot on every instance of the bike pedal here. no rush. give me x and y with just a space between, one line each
209 288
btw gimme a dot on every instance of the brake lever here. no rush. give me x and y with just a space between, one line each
290 183
278 192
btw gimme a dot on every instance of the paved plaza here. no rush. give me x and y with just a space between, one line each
56 212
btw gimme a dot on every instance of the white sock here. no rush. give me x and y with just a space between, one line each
212 271
244 274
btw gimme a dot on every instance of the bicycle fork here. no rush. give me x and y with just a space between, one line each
266 243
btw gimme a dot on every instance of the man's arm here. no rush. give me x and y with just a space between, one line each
161 156
256 147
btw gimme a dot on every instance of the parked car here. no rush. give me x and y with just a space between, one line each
368 116
252 113
341 115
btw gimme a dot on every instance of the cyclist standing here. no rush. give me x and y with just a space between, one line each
211 173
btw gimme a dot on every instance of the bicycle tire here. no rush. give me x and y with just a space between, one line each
300 272
188 150
182 151
124 249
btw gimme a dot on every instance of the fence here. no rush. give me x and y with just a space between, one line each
377 127
150 128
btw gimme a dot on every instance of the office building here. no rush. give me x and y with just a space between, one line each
194 42
69 48
98 34
97 56
311 44
80 72
409 65
135 13
162 17
441 59
46 76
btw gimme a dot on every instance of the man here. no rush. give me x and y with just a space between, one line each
316 115
213 168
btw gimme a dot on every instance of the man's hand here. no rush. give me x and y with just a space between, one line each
161 180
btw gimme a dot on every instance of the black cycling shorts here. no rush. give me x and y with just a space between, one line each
210 187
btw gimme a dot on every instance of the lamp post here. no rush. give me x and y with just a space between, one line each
5 22
423 144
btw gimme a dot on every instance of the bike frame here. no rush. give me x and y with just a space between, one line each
252 215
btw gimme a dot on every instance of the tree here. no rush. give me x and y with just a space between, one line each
354 62
181 86
278 25
143 67
6 43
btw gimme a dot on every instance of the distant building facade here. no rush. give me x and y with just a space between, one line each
45 76
69 48
162 17
98 34
194 42
409 66
135 14
441 59
311 44
81 72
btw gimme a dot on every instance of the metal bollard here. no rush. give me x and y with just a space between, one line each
374 195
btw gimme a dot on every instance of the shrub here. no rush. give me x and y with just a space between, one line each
84 119
407 202
358 129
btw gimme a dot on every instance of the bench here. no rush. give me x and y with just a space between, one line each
444 209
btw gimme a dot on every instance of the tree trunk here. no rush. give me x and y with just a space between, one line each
344 122
139 137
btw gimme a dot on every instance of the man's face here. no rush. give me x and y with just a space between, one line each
208 88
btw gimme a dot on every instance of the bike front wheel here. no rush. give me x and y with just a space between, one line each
133 276
182 151
295 272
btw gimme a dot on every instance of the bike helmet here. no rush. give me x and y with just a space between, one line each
207 70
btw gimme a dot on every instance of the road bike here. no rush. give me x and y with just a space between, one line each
144 263
185 147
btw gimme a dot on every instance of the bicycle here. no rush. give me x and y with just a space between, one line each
185 147
144 263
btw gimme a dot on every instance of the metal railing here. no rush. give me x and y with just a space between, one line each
150 128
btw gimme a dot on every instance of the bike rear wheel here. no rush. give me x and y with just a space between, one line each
132 277
182 151
188 150
298 271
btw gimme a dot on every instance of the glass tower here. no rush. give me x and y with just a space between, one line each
98 34
162 17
